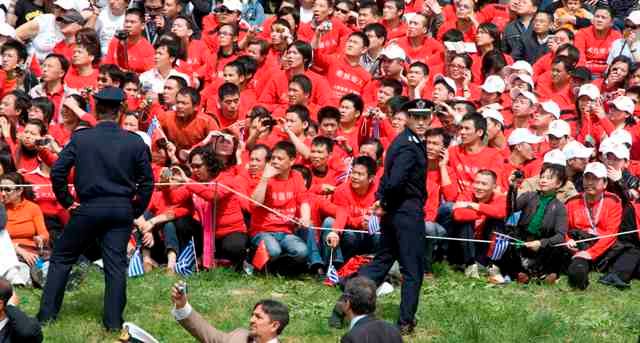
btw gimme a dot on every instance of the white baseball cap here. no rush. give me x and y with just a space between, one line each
232 5
621 136
393 52
521 65
555 156
634 17
493 84
449 82
493 114
523 135
624 103
524 77
65 4
597 169
551 107
559 128
575 149
527 95
7 30
618 149
589 90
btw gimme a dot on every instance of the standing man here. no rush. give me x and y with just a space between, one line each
114 183
400 202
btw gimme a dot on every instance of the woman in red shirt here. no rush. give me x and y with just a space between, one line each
614 79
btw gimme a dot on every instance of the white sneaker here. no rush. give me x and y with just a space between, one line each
384 289
495 277
472 271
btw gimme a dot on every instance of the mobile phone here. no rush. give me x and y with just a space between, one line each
182 287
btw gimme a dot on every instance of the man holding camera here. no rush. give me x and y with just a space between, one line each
268 320
128 49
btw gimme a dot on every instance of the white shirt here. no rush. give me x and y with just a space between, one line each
106 26
4 322
152 78
306 15
355 320
48 36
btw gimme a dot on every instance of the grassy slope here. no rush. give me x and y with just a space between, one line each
453 309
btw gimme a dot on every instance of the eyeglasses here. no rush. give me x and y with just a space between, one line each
222 10
342 10
7 189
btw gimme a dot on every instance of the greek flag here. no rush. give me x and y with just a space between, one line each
374 225
135 264
342 177
500 245
332 275
187 260
154 125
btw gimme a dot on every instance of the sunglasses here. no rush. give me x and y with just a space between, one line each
7 189
222 10
342 10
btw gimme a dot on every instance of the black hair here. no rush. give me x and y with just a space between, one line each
173 48
192 93
398 3
21 49
131 77
18 179
277 311
479 122
64 63
354 99
113 71
287 147
492 62
362 36
6 291
45 105
42 127
360 292
239 67
322 140
328 112
488 172
567 61
556 170
603 7
301 111
262 147
21 104
292 11
87 38
439 131
305 50
371 5
396 102
250 65
393 84
263 44
182 83
572 52
368 162
493 31
378 29
453 35
567 31
6 161
377 143
136 11
306 173
304 82
422 66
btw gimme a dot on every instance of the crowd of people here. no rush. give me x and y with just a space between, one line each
272 130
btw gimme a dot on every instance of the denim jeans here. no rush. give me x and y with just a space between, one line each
436 230
170 234
280 244
351 244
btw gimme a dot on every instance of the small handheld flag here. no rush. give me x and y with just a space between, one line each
261 257
332 275
374 224
342 177
497 248
135 264
187 260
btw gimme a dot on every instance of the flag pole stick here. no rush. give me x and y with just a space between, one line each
598 237
194 254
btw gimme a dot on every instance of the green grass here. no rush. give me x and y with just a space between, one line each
452 309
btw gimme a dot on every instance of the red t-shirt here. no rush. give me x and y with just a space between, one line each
74 81
331 41
357 206
275 92
495 208
139 55
423 52
341 75
437 192
466 165
595 49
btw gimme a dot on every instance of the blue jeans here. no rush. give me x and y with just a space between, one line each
170 232
351 244
281 244
436 230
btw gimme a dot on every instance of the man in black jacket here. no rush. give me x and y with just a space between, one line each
15 325
359 307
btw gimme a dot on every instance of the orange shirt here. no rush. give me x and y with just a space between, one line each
25 221
186 134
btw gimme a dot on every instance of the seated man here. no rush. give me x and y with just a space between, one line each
268 320
356 197
476 214
284 192
591 213
15 325
325 176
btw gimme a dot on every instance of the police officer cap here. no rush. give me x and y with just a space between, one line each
110 94
419 107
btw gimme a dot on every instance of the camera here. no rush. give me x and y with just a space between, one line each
518 174
121 34
166 173
269 122
326 26
257 29
42 141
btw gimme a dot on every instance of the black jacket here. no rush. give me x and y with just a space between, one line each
20 328
403 185
554 222
111 166
372 330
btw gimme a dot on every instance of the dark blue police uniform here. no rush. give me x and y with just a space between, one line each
114 183
402 194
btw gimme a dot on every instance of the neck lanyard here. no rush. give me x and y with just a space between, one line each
593 221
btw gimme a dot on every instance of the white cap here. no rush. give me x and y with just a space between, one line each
559 128
393 52
524 77
634 17
493 114
7 30
449 82
521 65
551 107
575 149
523 135
624 103
621 136
232 5
597 169
65 4
616 148
493 84
139 334
555 156
527 95
589 90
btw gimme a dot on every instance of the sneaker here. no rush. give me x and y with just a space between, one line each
495 277
384 289
612 279
472 271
